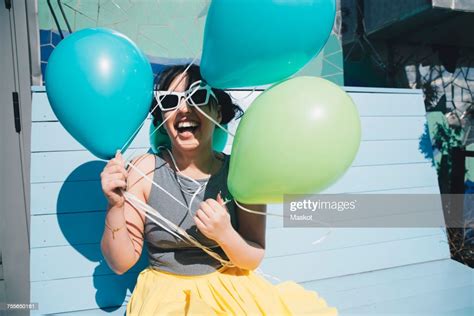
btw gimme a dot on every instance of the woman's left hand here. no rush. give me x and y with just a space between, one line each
213 219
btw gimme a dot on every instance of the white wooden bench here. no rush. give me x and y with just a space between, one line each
401 271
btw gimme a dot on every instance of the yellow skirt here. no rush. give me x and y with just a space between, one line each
227 291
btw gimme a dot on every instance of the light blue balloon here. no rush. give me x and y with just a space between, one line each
250 42
100 86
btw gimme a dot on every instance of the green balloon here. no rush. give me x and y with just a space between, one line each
160 138
297 137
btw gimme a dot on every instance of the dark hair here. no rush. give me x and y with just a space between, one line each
229 110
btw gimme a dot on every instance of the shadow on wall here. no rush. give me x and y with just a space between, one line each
81 216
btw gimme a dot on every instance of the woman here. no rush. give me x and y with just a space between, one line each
183 279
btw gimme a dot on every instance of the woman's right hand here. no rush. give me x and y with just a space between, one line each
113 179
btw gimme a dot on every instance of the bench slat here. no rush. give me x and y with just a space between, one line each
326 260
120 311
51 136
91 292
76 260
304 267
72 262
60 166
87 228
109 292
368 104
442 302
376 288
50 198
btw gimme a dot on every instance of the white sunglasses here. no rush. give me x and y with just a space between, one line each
198 95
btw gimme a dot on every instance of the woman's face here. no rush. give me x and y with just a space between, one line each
187 127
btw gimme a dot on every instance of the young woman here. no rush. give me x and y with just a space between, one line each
183 279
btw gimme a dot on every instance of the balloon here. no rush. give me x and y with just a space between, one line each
219 139
161 138
100 86
297 137
158 138
248 42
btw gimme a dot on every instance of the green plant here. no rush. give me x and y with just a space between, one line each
447 137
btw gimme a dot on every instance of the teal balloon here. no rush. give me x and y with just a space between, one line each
160 138
100 87
219 139
297 137
249 42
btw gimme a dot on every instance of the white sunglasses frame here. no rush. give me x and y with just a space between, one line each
195 86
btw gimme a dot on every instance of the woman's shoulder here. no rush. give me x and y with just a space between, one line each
140 167
144 163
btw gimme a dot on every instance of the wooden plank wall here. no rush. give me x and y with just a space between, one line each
68 214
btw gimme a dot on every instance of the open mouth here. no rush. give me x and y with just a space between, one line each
186 126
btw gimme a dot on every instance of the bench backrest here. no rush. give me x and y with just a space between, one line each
68 271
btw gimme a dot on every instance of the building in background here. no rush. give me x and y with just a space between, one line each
423 44
168 31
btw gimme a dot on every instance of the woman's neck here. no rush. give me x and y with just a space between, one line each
195 163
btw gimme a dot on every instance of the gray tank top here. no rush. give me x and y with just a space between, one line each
165 251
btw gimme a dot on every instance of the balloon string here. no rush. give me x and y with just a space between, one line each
286 216
244 97
162 123
181 78
214 121
241 206
202 112
260 272
176 230
130 139
200 187
155 184
225 202
129 155
179 233
130 197
198 190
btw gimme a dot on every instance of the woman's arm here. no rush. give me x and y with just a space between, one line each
122 247
245 247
